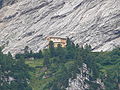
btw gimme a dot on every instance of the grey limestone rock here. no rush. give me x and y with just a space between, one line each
7 2
79 83
29 22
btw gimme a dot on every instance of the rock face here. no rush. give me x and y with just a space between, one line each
80 82
28 22
7 2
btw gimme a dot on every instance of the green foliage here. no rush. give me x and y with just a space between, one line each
70 49
72 57
63 63
27 55
60 52
37 55
109 67
59 64
52 49
13 73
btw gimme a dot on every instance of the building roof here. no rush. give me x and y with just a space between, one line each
59 37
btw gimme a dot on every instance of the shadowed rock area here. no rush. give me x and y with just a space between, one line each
28 22
7 2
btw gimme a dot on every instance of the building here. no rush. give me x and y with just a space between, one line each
58 40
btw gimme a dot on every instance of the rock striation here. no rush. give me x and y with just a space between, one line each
7 2
29 22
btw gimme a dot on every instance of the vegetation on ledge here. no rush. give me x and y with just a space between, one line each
51 68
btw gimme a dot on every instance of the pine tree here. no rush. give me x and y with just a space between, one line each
52 49
26 50
46 58
70 49
60 52
9 55
40 54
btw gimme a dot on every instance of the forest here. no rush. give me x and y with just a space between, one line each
51 69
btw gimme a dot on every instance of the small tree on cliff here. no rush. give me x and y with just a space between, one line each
51 49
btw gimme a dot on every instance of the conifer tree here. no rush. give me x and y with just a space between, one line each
60 52
70 49
51 49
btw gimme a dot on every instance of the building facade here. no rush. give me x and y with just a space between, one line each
58 40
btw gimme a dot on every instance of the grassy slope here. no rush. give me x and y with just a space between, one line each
37 81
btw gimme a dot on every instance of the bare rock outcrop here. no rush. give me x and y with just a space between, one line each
82 79
28 22
7 2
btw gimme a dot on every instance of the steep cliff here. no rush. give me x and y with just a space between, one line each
28 22
7 2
